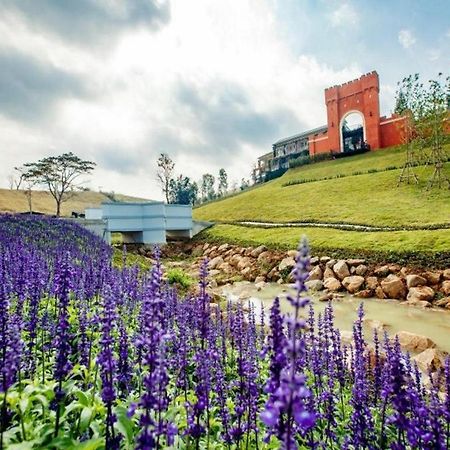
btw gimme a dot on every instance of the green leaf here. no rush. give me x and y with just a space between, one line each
82 398
85 418
91 444
124 424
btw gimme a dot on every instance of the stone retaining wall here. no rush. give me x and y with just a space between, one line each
258 264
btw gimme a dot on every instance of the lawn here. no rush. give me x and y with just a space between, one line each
370 198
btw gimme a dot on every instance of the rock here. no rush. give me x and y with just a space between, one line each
245 294
315 274
418 303
224 247
355 262
259 279
394 268
212 284
371 283
430 359
248 251
226 268
292 253
414 342
446 287
314 285
260 285
446 274
432 277
214 272
393 287
215 262
382 271
265 257
325 259
243 263
328 273
286 263
379 293
375 325
353 283
341 269
420 293
206 246
280 281
346 337
415 280
443 302
332 284
314 260
326 297
365 293
330 263
361 270
258 250
273 275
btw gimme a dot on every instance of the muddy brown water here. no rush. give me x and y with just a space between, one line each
395 317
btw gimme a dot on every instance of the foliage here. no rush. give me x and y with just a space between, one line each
164 174
182 191
179 277
207 187
223 182
58 174
95 357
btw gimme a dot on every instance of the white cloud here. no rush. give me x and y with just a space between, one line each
406 38
211 47
345 14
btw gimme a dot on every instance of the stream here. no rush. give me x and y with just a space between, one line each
390 314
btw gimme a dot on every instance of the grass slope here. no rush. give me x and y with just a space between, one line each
371 199
16 201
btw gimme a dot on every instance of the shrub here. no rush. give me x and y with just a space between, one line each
179 277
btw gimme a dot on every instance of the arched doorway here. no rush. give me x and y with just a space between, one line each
352 132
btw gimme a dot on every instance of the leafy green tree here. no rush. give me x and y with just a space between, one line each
58 174
223 182
182 191
207 187
165 173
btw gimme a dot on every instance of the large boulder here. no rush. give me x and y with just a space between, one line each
314 285
414 342
315 274
371 283
432 277
332 284
443 302
355 262
328 273
226 268
341 269
292 253
258 250
286 263
446 274
415 280
224 247
446 287
430 359
353 283
379 293
420 294
393 287
215 262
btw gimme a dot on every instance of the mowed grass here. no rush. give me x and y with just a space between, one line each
371 199
331 239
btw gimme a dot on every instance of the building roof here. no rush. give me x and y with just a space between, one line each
266 156
304 134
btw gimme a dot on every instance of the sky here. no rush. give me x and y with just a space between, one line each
212 83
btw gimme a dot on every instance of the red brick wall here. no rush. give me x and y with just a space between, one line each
318 144
391 131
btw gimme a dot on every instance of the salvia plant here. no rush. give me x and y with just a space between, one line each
93 356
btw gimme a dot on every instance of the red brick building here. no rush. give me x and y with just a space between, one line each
355 100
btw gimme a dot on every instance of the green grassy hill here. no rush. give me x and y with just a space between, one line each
362 190
12 201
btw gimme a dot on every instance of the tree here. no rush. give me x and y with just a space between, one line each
165 173
244 184
223 182
182 191
58 174
207 187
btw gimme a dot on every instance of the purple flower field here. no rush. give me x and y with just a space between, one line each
93 356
